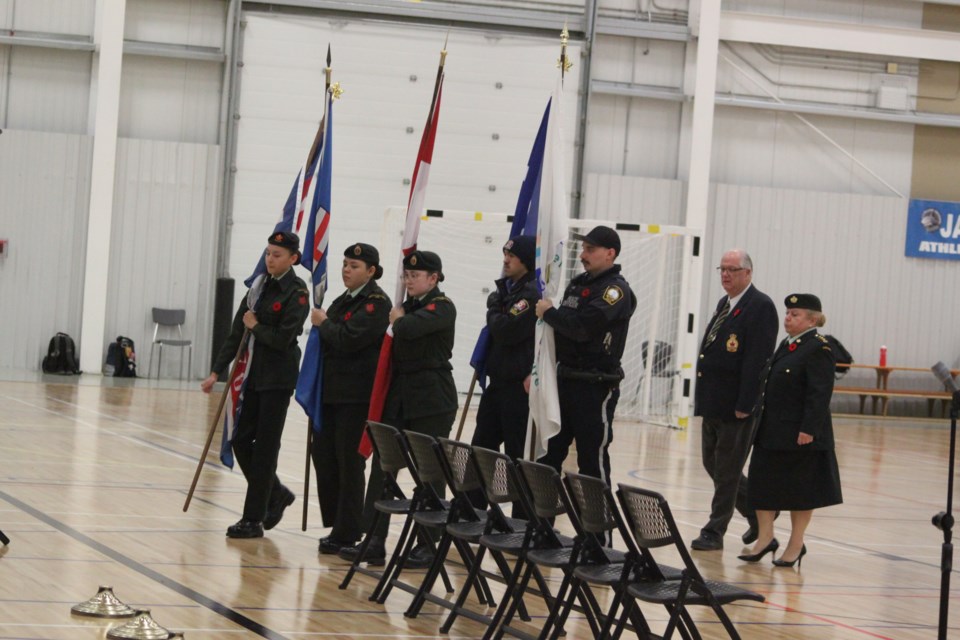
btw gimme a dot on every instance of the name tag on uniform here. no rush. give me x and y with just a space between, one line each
519 307
572 301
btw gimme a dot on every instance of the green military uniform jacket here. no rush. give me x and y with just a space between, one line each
281 311
352 335
422 383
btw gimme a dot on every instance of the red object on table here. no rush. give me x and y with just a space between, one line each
883 356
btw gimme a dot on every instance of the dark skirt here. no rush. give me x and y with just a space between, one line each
793 480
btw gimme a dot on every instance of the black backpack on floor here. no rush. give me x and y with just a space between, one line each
123 356
61 356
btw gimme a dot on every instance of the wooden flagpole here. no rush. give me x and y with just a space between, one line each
216 420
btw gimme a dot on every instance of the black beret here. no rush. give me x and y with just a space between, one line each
803 301
366 252
423 261
602 237
525 248
285 239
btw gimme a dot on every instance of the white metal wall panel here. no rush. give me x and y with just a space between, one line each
44 179
772 149
164 228
4 85
54 16
168 99
632 199
198 23
657 63
889 13
847 249
49 89
387 72
633 136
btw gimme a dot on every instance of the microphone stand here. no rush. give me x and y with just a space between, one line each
944 522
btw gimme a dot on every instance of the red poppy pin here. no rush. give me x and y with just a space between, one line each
736 312
302 300
585 293
793 346
347 315
369 307
276 306
432 307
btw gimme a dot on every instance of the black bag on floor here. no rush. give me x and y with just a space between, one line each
124 358
61 356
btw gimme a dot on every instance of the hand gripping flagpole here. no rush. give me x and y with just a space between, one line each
216 419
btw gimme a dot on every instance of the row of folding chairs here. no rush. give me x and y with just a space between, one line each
520 548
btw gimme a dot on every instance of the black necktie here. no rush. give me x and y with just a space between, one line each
724 312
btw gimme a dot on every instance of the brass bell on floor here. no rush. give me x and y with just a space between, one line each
143 627
104 605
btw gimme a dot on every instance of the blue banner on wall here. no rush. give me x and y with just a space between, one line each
933 230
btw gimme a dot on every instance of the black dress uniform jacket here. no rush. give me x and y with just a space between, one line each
281 311
591 324
729 368
351 338
797 387
422 383
512 319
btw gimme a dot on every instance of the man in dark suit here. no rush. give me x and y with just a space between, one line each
739 339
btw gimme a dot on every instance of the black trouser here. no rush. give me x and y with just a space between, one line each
502 419
257 446
724 447
437 426
340 469
586 416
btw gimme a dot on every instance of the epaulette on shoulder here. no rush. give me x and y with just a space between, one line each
376 296
442 299
822 339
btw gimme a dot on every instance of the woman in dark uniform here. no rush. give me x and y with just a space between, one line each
274 325
422 395
794 466
352 330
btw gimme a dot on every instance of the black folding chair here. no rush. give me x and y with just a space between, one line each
540 488
598 565
501 536
652 525
389 447
4 539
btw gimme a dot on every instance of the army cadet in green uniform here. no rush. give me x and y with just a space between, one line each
274 325
422 395
352 330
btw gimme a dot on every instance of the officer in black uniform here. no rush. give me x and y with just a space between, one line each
422 395
352 330
274 323
511 319
590 332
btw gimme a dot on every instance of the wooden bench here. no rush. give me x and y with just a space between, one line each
883 395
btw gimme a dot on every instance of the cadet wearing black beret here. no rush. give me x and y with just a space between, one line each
351 331
422 396
274 323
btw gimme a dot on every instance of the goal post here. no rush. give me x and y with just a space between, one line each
655 259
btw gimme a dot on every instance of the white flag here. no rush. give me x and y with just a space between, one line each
544 422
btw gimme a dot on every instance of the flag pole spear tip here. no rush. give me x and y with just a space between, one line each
443 52
328 54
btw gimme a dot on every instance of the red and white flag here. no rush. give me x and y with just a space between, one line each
411 230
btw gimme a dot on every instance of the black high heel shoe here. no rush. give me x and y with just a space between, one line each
796 561
757 557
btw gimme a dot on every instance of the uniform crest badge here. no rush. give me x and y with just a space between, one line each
369 307
357 250
302 300
613 294
793 299
732 343
519 307
413 261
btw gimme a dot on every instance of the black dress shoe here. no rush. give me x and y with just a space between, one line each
772 546
753 532
245 529
707 542
420 558
789 563
331 546
375 556
275 510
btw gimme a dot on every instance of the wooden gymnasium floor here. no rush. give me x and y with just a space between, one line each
93 477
